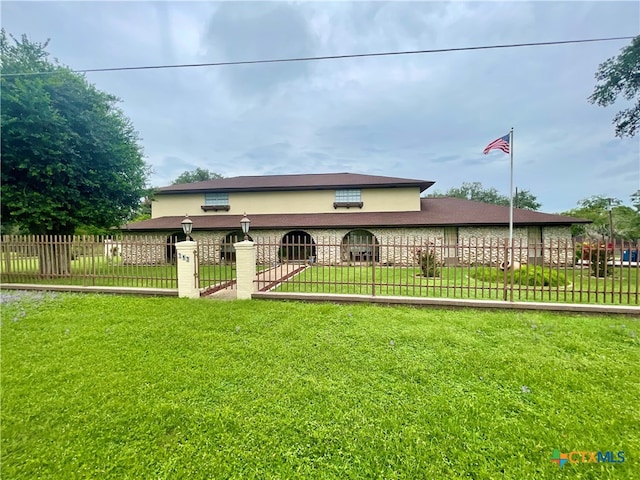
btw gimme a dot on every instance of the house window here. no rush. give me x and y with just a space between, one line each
348 198
216 201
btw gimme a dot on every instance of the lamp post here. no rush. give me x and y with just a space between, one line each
244 223
187 226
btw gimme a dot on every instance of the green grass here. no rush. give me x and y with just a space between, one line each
132 388
468 282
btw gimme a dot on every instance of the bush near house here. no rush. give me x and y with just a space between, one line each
578 253
428 261
532 275
599 256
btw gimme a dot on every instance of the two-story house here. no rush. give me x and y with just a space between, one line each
346 208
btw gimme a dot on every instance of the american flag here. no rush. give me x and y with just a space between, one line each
501 143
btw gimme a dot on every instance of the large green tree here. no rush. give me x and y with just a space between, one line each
197 175
606 215
620 77
70 157
477 192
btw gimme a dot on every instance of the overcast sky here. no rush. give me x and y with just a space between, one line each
426 116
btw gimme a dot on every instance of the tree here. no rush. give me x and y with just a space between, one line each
144 208
635 200
626 223
197 175
526 200
620 76
476 192
70 157
606 214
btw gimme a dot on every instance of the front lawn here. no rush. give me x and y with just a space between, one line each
97 386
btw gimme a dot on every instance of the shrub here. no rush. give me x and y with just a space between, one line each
526 275
428 262
578 252
538 276
599 256
487 274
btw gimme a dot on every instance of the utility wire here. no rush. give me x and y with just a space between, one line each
328 57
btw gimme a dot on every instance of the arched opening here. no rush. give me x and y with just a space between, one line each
297 246
227 250
360 246
172 239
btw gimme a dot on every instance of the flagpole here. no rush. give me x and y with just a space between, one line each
511 198
511 266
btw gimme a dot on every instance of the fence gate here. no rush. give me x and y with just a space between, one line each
216 265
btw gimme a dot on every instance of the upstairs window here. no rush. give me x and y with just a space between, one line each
216 201
348 198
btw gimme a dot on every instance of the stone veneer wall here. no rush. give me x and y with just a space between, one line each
209 246
155 252
476 245
400 246
486 245
327 245
143 249
558 245
397 246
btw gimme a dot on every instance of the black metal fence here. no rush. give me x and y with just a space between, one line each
478 268
89 260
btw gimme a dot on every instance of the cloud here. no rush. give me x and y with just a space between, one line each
417 116
259 30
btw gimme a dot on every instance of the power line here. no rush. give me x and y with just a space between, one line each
327 57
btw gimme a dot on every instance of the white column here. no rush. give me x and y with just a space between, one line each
187 267
245 269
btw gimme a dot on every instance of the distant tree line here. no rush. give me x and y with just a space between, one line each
475 191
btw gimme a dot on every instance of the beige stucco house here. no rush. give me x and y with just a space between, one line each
330 213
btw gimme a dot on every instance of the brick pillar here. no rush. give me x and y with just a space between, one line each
245 269
187 267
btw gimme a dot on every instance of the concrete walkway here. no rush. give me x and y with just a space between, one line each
268 278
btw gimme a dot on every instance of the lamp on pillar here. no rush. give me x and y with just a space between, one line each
187 226
244 223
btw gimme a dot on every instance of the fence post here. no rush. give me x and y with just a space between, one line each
245 269
187 264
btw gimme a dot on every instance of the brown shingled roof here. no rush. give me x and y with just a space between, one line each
318 181
441 211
